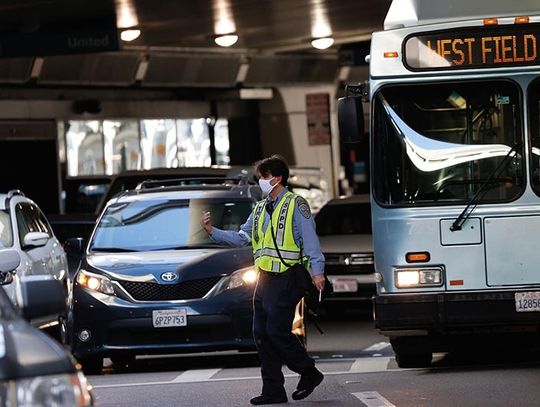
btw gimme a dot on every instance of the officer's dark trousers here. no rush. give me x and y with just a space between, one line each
274 305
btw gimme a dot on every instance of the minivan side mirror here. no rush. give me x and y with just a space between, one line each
350 119
74 245
36 239
9 261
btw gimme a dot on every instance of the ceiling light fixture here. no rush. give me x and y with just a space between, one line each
130 34
322 43
226 40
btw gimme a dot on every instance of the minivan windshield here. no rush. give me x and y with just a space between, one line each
438 143
159 224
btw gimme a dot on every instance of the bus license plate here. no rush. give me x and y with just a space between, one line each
345 286
528 301
169 317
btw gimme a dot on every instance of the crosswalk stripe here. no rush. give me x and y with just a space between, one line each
199 375
377 346
367 365
373 399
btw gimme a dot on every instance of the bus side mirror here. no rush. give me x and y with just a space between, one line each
350 119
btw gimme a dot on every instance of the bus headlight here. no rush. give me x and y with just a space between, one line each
422 277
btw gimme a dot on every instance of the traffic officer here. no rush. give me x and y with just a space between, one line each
278 290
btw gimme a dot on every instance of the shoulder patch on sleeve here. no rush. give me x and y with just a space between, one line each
303 207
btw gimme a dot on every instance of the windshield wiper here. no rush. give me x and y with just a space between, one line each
111 249
466 213
192 246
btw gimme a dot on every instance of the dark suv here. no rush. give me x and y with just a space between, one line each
152 282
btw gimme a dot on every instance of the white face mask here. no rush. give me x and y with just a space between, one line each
266 186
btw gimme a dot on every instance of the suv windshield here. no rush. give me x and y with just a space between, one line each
164 224
344 219
438 143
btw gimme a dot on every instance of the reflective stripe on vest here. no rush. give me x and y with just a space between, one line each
264 250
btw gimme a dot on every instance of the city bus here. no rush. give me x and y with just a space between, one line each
454 136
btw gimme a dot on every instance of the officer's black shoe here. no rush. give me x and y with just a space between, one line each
307 384
262 399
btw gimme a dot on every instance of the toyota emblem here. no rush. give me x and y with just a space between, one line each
169 276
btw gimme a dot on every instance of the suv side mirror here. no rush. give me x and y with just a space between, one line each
36 239
9 261
74 245
350 119
42 296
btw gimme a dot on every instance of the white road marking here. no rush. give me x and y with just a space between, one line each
360 365
377 346
373 399
370 365
199 375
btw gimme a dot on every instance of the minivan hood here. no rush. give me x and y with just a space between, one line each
346 243
189 264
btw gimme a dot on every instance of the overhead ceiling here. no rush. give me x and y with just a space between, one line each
269 26
176 46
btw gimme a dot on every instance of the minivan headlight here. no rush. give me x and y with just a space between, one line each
418 277
64 390
245 276
95 282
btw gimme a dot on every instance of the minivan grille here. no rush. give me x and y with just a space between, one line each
185 290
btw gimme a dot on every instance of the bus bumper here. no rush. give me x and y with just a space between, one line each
452 313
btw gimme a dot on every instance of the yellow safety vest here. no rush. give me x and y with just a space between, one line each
264 249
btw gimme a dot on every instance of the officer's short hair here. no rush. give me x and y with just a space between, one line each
274 165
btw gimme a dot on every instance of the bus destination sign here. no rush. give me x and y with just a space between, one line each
485 47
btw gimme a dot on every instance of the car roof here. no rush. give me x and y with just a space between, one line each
248 192
4 198
181 171
350 199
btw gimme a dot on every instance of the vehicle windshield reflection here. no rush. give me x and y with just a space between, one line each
165 224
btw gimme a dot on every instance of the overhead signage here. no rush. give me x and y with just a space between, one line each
63 38
318 118
482 47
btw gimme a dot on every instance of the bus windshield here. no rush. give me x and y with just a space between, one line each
439 143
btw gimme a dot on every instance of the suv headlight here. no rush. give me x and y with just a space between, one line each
246 276
66 390
95 282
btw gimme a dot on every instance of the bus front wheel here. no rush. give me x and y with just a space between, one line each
410 354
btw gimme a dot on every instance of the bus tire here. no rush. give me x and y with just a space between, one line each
407 359
411 352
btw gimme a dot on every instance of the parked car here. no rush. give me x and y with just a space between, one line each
152 282
80 198
310 183
35 370
344 229
24 228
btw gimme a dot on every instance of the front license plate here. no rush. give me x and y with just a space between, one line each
345 286
528 301
169 317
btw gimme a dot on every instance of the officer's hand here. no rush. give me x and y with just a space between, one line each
206 222
318 281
